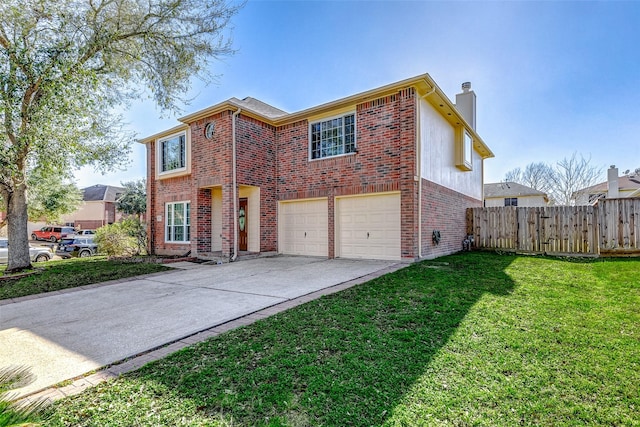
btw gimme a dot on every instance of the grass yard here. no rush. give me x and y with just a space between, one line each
63 274
469 339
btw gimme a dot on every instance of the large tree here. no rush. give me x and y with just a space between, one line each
66 65
559 181
535 175
49 198
573 174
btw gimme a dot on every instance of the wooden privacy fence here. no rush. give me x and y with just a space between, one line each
612 227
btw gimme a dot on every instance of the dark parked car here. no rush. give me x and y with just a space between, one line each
76 246
37 254
52 233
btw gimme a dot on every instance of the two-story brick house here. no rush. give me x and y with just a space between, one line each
372 175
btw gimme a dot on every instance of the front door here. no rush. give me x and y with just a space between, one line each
242 225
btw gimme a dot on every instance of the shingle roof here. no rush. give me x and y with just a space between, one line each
625 183
510 189
98 192
259 107
423 84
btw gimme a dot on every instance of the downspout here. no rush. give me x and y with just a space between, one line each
235 185
419 171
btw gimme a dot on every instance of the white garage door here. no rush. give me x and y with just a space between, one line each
303 227
369 226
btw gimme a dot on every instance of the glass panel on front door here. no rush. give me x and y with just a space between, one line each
242 225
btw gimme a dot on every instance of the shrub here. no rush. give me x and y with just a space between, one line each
125 238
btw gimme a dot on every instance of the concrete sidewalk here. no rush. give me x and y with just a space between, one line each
64 335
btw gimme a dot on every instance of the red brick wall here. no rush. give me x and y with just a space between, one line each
210 166
385 161
170 190
201 233
91 224
444 210
161 192
277 161
256 166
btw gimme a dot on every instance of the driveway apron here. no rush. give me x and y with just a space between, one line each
63 336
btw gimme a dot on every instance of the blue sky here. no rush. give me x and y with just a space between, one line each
551 78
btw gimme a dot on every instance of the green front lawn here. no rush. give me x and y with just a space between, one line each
469 339
62 274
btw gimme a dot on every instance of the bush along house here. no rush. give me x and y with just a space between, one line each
384 174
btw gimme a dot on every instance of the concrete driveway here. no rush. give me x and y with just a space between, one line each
65 335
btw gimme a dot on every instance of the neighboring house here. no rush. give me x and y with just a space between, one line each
615 187
372 175
513 194
98 208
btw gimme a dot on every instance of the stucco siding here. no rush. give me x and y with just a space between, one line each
86 211
437 155
93 214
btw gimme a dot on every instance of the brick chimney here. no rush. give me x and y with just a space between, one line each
466 104
612 183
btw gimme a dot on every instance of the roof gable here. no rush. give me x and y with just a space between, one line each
424 85
510 189
625 183
101 193
259 107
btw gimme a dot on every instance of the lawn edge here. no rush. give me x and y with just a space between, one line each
134 362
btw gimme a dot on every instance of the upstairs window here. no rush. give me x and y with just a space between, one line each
511 201
173 153
464 150
468 149
333 137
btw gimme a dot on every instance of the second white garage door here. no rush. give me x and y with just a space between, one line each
368 226
303 227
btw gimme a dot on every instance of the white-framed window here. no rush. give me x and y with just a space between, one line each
173 153
332 137
178 222
464 149
468 149
511 201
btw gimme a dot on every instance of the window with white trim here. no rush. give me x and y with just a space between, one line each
333 137
173 153
468 149
511 201
464 149
178 222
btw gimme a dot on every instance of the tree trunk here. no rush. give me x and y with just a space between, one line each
17 231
